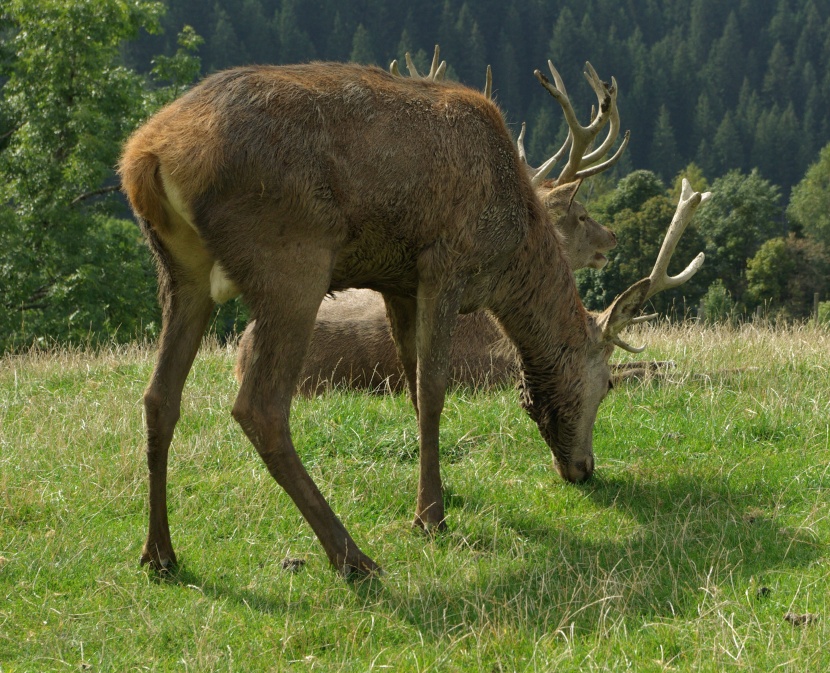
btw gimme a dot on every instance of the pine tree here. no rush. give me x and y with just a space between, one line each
663 157
776 86
295 44
727 149
339 43
225 48
362 48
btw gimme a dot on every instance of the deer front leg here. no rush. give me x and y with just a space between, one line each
187 310
437 312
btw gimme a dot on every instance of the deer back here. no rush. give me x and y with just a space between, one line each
371 165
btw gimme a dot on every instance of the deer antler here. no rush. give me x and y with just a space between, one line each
436 71
686 207
580 137
620 314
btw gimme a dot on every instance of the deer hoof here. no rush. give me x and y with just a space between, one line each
430 527
360 567
161 564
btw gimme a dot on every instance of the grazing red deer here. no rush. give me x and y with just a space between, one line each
285 183
352 344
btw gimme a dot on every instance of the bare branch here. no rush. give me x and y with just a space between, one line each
95 192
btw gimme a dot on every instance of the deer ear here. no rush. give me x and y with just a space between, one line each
563 194
623 310
578 184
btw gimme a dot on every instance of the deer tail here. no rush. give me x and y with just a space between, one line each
141 182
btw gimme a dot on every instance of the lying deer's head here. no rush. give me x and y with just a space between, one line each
586 240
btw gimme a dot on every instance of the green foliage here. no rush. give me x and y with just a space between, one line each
630 194
744 211
696 178
810 201
786 273
179 70
769 271
71 271
663 154
717 304
824 313
362 50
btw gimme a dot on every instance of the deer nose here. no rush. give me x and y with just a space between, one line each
578 471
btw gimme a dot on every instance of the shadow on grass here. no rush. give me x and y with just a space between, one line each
181 576
685 540
539 574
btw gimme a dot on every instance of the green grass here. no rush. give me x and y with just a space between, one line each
711 484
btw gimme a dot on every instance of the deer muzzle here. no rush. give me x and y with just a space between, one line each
578 471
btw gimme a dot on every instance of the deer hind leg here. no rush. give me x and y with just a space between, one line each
402 315
285 313
437 313
186 307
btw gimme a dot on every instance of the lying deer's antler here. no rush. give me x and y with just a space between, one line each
580 137
618 316
436 71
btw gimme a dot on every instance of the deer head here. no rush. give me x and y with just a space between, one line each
565 406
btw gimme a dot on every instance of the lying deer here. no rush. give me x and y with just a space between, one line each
352 345
286 183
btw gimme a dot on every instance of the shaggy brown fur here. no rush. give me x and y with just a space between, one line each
285 183
352 345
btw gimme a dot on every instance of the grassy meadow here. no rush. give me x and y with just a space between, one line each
701 543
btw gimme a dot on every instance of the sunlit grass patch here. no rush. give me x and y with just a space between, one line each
706 522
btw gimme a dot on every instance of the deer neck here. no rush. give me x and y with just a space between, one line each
538 306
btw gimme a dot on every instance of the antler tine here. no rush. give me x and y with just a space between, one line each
488 84
557 79
520 145
659 279
393 68
598 168
643 318
686 207
627 347
436 70
538 175
583 136
613 130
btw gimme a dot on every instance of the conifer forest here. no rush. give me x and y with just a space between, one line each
733 94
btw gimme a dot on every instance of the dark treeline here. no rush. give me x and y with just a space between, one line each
734 94
728 84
